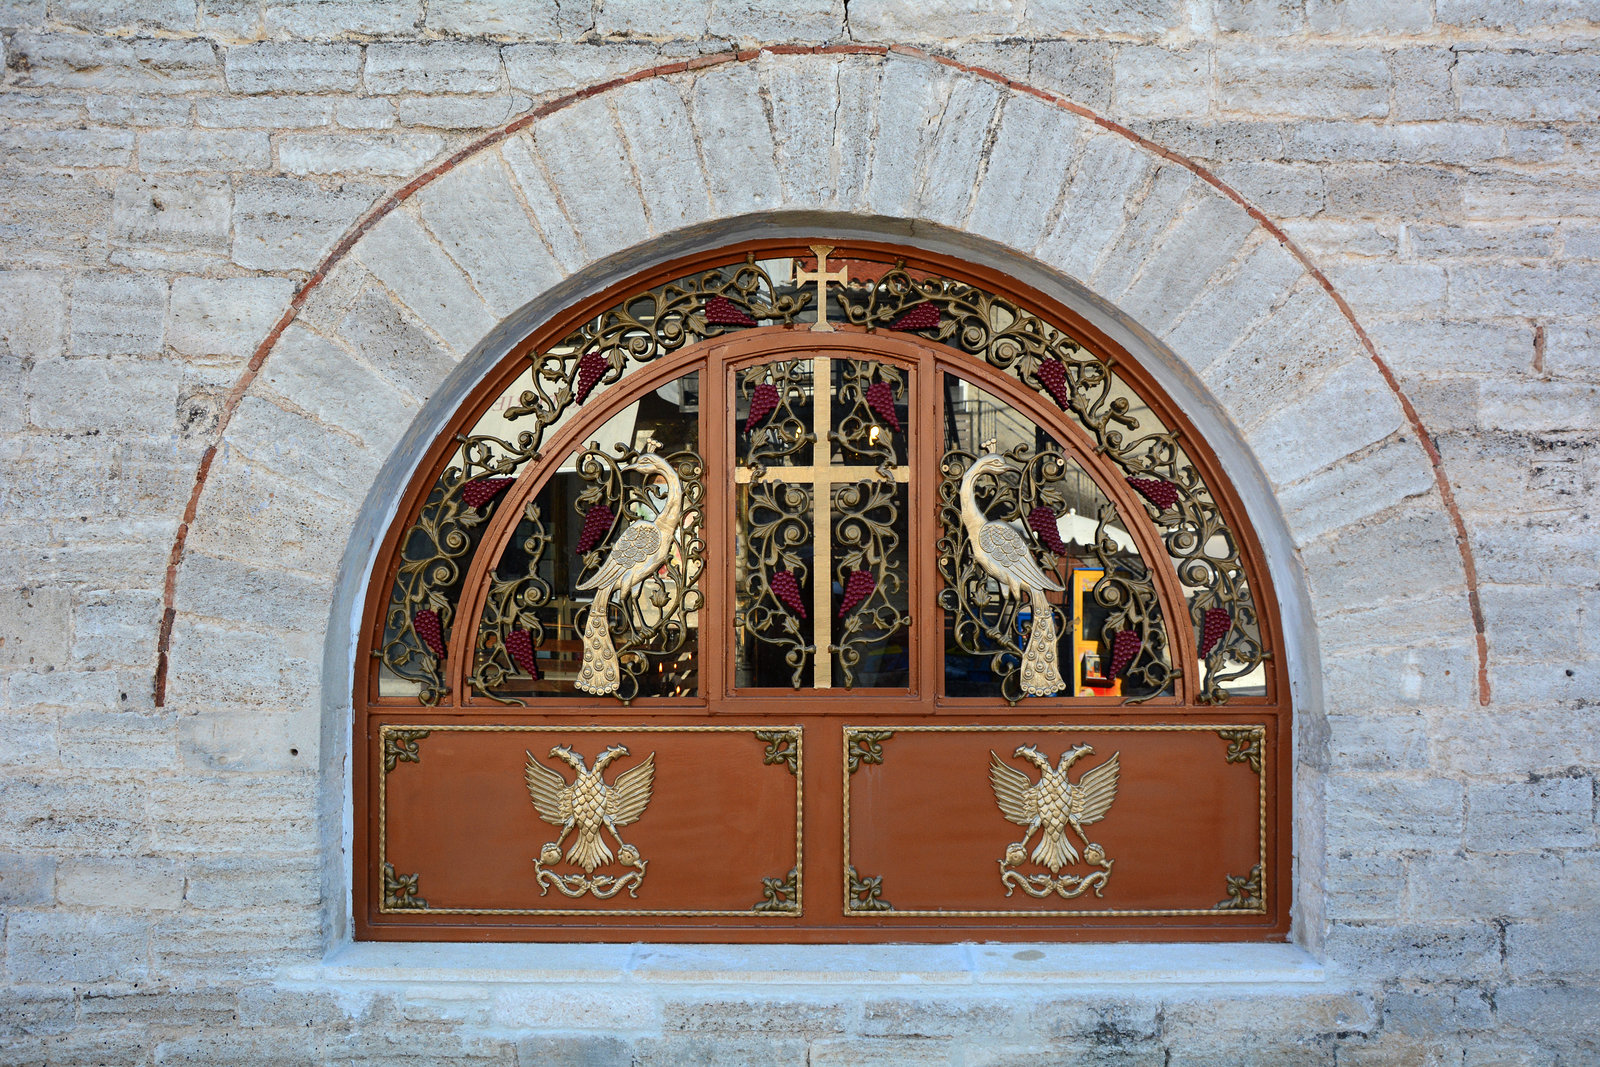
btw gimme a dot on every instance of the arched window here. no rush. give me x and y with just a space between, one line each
810 594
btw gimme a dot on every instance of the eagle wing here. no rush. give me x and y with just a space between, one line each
1095 791
638 543
549 792
630 792
1012 791
1008 549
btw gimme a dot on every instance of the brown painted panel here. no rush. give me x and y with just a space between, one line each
1182 820
718 820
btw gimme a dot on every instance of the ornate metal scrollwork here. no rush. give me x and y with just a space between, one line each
1127 590
865 413
1244 745
783 746
864 746
780 895
1244 894
1010 338
647 626
865 894
776 524
512 608
778 423
400 891
864 520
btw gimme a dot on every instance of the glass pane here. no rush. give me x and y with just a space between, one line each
617 525
1030 538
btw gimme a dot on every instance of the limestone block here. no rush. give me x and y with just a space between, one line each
1296 349
118 740
224 317
1369 190
1368 18
1550 1010
100 16
1539 407
1311 83
266 112
29 739
506 19
1365 885
589 171
323 381
1542 86
1345 413
116 314
270 1048
297 68
1383 742
1033 154
327 19
1080 70
533 183
300 449
915 96
1152 81
641 18
1279 190
1090 18
1261 18
1512 14
684 1050
1403 555
460 112
1411 142
736 140
373 153
71 813
94 146
27 880
1264 276
1109 173
1487 886
233 813
655 123
955 158
208 1006
1381 811
587 1049
268 882
1394 471
547 69
435 67
232 591
802 20
256 741
861 1051
227 150
1568 947
1185 263
545 1009
144 883
1161 204
1422 78
50 222
395 345
903 20
91 62
400 253
855 127
803 100
748 1014
233 944
35 627
170 222
1555 812
366 113
1434 950
57 108
288 224
899 1016
59 947
106 395
1204 1021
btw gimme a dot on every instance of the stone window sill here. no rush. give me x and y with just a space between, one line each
989 964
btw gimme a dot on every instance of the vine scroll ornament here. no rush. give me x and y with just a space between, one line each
589 805
1051 805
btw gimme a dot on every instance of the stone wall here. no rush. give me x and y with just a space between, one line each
1353 222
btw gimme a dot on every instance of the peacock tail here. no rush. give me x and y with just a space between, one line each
599 672
1041 674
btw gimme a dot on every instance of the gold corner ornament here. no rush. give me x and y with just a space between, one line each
780 895
1244 894
400 891
783 746
400 746
1051 805
864 746
864 894
822 276
589 805
1244 745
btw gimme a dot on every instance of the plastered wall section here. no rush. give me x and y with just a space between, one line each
173 174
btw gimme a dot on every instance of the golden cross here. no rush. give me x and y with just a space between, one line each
822 276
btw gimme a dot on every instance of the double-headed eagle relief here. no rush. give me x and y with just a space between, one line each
1003 553
1051 806
637 554
588 805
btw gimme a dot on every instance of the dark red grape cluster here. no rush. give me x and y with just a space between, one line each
1042 521
1124 646
597 523
1162 494
787 589
520 644
1212 629
590 368
480 491
857 588
763 402
880 398
924 316
1054 377
720 311
426 623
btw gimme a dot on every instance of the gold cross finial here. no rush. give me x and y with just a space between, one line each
822 276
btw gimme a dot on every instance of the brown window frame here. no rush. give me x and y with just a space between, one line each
826 775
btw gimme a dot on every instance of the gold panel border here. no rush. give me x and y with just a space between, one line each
1258 731
797 733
